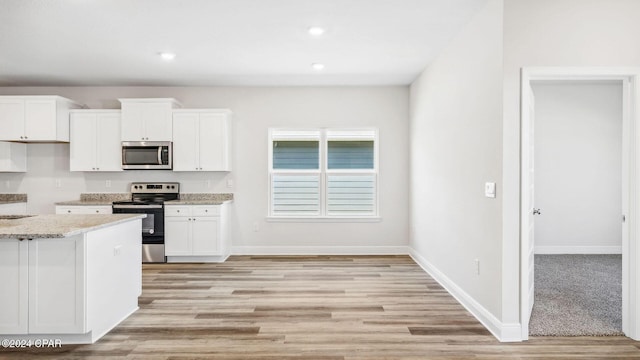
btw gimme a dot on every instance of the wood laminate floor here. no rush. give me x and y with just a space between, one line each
320 307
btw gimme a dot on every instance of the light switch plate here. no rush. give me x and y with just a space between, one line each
490 189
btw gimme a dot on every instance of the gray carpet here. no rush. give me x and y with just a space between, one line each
577 295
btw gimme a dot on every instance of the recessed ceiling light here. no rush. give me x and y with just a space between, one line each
317 66
167 56
316 31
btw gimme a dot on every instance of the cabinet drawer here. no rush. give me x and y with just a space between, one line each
84 210
100 210
177 211
202 210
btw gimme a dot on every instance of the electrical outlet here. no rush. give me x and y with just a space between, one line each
490 190
58 183
107 183
208 184
477 266
117 250
229 183
8 183
256 227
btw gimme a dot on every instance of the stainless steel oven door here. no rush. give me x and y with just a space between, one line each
152 229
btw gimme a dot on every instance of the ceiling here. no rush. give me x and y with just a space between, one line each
223 42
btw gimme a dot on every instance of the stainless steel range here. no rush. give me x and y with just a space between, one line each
149 198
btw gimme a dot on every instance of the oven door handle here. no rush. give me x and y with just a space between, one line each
137 207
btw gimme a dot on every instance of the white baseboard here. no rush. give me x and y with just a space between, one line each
503 332
549 250
319 250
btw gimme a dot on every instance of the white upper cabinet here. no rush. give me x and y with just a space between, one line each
95 141
35 118
147 119
202 140
13 157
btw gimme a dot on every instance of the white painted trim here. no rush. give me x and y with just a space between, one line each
319 250
630 251
550 250
503 332
197 259
324 219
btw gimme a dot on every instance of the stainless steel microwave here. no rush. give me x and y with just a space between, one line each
147 155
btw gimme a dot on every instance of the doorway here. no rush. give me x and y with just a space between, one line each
627 80
578 195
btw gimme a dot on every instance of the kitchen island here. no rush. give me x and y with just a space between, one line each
68 278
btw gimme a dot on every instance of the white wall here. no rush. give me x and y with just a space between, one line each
578 167
456 132
552 33
255 110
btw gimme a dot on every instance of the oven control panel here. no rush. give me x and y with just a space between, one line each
153 188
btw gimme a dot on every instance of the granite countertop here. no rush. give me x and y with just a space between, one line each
86 202
97 199
197 202
94 199
201 199
58 226
12 198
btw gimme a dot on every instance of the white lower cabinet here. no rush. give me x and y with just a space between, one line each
14 257
75 288
45 282
83 209
196 233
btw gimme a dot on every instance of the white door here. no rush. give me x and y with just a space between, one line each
83 142
40 120
11 119
177 235
56 286
213 142
157 122
108 146
14 297
132 125
204 236
185 144
527 267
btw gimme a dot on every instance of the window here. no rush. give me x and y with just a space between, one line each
323 173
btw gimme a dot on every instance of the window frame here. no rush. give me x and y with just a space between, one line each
324 136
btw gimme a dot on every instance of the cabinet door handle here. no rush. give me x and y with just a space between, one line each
69 211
